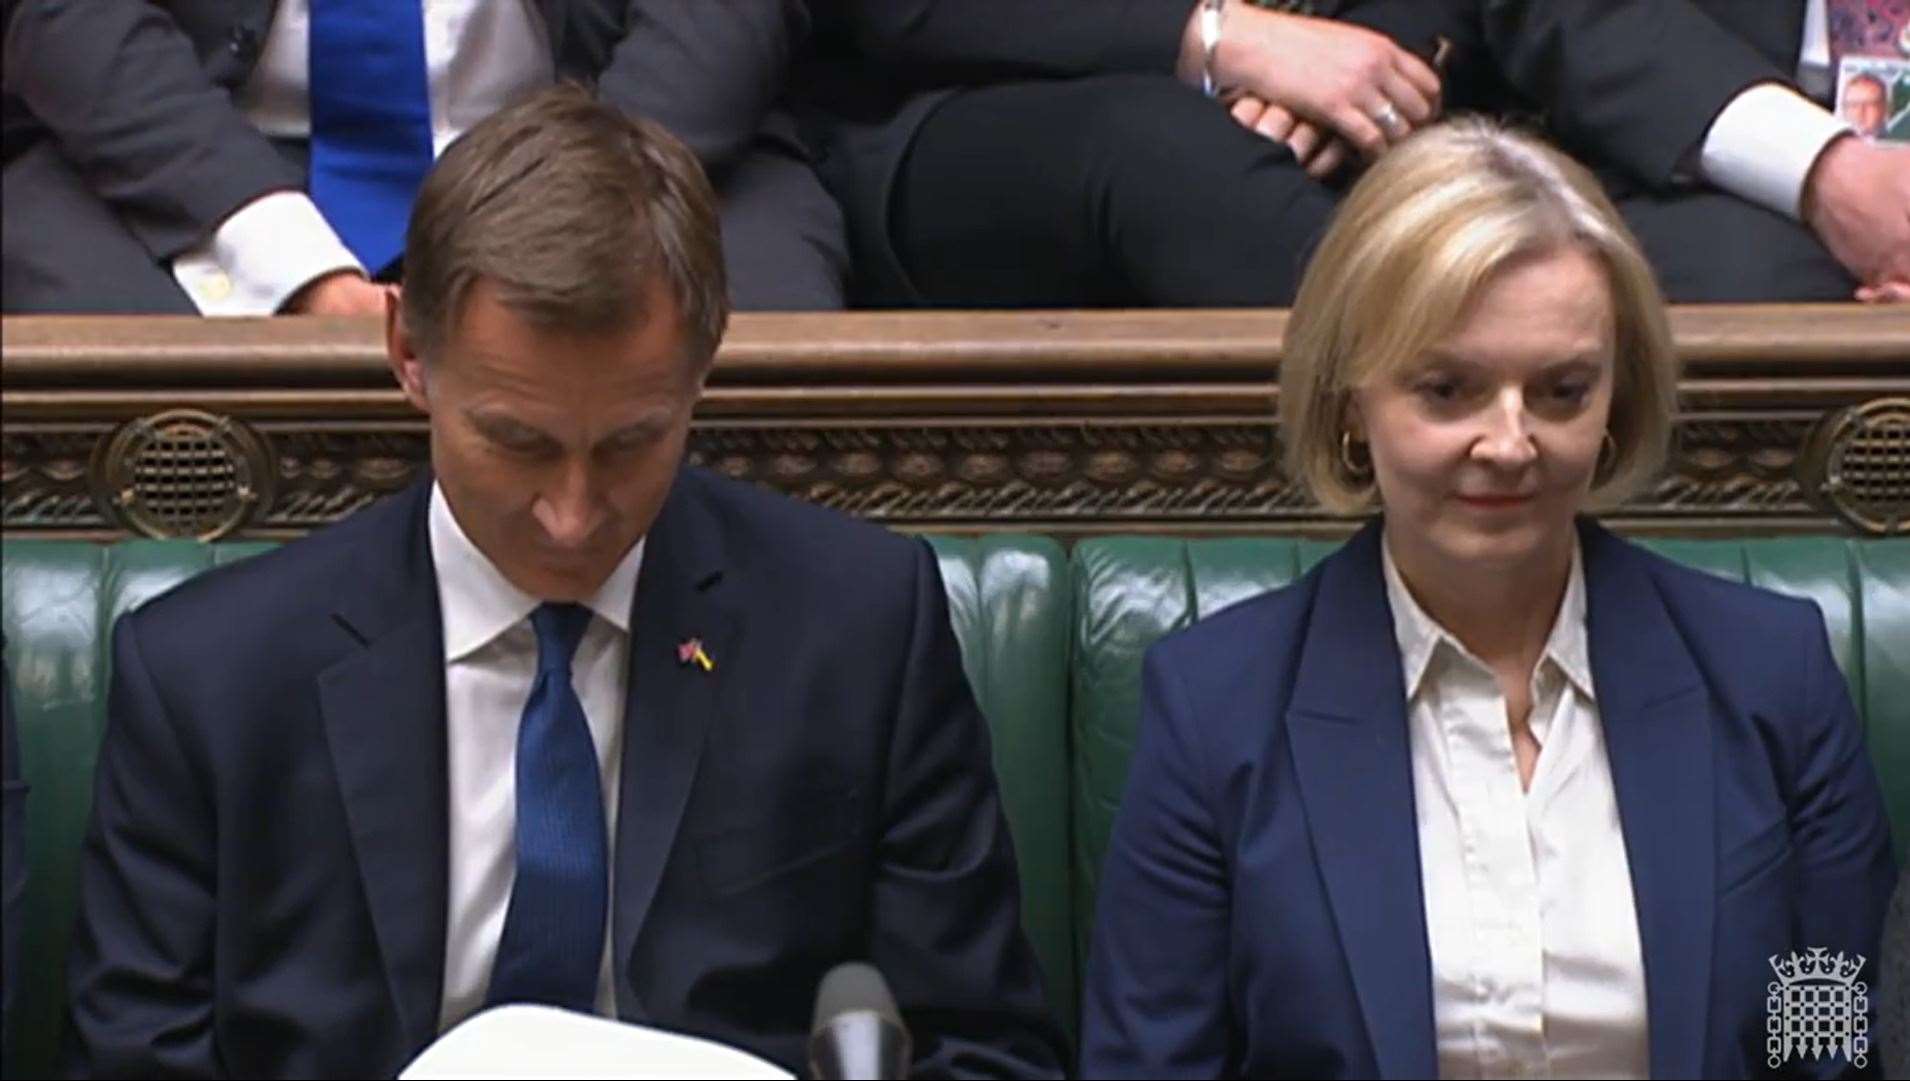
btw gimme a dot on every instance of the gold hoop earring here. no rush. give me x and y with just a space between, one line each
1607 459
1354 470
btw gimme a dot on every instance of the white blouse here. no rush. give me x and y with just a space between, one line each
1536 965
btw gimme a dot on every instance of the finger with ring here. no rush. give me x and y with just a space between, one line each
1390 121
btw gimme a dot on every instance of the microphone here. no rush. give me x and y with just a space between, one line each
857 1034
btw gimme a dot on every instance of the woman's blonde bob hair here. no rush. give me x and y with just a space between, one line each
1410 247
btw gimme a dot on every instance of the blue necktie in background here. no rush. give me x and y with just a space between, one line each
553 933
371 121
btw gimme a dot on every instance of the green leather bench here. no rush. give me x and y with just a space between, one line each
1052 643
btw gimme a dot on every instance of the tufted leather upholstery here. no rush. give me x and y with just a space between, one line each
1008 597
1052 646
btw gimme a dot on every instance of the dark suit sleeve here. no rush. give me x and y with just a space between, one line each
123 93
1845 867
1628 84
945 923
140 972
986 40
708 70
1155 1002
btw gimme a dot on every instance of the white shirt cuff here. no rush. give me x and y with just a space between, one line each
258 257
1763 144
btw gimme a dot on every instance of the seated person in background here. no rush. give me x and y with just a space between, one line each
252 157
567 723
1740 185
1060 153
1490 792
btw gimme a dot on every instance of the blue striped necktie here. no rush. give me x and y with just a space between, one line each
371 121
554 930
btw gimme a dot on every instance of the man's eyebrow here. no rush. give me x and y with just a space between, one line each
644 425
498 423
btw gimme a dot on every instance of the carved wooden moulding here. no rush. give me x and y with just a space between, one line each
1071 423
188 473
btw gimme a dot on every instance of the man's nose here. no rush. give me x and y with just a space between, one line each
568 508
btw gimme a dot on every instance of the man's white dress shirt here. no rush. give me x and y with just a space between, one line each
1536 963
490 662
1762 145
479 57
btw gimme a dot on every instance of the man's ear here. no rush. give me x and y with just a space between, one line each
401 352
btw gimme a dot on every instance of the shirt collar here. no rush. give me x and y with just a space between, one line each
1419 635
479 603
1414 631
1567 646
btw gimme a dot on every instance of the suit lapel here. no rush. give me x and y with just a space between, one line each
1347 723
670 708
383 708
1658 738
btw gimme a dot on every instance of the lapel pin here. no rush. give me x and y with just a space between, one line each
690 651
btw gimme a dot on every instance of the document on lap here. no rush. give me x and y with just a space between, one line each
545 1042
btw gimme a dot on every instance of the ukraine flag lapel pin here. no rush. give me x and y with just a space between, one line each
691 651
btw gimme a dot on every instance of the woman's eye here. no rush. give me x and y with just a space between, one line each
1440 390
1571 392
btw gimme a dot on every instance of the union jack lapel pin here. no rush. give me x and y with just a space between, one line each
691 651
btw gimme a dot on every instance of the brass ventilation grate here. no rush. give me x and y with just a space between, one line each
1858 464
182 473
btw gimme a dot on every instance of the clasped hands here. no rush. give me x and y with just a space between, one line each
1331 90
1328 90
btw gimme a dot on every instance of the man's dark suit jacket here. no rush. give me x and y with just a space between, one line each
1628 86
138 98
263 886
1261 913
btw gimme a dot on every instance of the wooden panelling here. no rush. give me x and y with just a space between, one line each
1068 421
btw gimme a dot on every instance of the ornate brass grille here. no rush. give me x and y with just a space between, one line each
1861 458
182 473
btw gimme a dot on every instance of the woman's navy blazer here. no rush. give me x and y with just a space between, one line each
1260 911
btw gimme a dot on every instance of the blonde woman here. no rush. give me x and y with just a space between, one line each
1491 792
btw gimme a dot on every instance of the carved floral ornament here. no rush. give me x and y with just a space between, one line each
192 473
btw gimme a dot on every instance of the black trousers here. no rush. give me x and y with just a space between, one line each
1709 247
1136 191
1127 190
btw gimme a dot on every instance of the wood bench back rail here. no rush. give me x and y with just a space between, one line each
1793 418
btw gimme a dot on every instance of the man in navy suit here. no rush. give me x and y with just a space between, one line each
566 723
